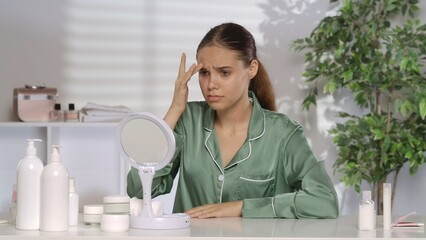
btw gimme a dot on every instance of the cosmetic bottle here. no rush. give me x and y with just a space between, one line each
12 206
28 189
367 213
71 115
73 203
56 114
387 211
54 195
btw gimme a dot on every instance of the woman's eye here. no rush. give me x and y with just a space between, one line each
203 73
225 73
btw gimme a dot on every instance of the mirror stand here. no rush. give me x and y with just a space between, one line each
147 220
148 144
146 174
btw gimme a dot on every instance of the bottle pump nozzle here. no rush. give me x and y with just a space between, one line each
71 185
55 157
31 150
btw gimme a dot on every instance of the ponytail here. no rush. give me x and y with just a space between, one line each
262 88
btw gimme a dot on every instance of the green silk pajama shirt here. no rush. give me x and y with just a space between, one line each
275 172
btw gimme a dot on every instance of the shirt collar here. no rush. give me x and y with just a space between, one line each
257 120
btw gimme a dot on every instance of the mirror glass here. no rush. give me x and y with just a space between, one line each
146 140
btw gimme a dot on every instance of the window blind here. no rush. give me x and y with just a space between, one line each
127 52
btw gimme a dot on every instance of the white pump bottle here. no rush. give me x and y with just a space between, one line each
54 195
28 189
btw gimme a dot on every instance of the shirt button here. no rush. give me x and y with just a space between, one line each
221 178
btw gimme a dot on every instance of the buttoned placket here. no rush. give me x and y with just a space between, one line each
254 127
221 177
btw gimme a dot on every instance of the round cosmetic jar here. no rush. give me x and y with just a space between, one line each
92 213
116 204
115 222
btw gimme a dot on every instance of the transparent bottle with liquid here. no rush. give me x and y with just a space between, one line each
71 115
12 206
367 213
56 114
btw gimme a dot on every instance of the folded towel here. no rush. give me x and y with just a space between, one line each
85 118
102 113
93 106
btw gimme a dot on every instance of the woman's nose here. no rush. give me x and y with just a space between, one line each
212 82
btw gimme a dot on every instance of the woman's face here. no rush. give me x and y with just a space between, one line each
224 79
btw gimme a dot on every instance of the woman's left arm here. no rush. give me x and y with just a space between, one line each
313 196
217 210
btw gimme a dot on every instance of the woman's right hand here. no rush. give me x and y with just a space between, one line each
180 95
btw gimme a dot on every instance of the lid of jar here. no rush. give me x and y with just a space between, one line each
93 209
116 199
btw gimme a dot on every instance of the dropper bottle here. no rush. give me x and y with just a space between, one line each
73 203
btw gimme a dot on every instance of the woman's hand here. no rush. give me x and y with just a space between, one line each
217 210
180 95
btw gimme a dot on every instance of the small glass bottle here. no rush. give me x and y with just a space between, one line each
12 208
367 213
56 115
71 115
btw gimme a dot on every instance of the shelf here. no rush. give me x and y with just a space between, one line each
89 149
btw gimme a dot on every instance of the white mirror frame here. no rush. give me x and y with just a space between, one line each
168 133
147 220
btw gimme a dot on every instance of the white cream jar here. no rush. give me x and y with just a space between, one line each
116 204
92 214
115 222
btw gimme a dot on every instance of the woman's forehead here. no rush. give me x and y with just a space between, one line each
217 56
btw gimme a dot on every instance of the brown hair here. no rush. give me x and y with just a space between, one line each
235 37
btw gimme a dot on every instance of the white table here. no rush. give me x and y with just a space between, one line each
233 228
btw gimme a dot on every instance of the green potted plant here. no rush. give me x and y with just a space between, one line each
363 50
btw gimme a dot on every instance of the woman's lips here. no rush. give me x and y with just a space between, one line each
213 98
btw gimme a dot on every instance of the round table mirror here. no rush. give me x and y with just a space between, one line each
148 144
146 140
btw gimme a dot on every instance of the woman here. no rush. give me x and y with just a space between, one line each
237 156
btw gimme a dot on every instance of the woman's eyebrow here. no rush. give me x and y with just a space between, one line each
222 68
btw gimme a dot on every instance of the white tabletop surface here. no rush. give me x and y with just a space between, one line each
344 227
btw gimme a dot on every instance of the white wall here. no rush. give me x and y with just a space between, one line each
127 52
